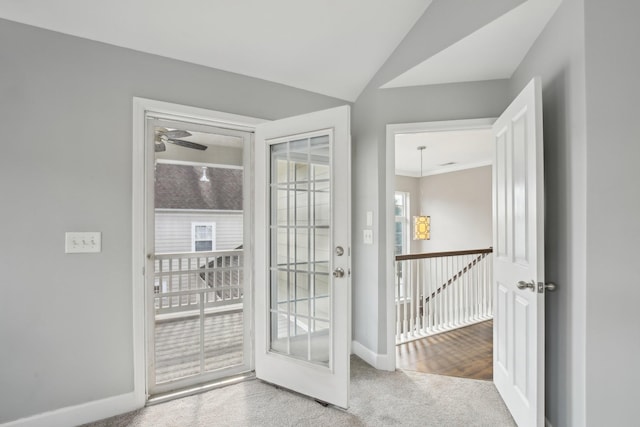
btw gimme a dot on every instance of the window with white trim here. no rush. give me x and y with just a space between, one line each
401 239
401 211
203 236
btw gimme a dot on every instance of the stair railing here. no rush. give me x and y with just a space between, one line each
442 291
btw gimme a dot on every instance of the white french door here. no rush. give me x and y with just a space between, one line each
302 254
518 241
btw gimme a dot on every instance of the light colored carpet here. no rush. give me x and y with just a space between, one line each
378 398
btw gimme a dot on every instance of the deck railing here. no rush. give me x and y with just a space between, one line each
441 291
197 280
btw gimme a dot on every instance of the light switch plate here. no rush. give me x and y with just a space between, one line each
82 242
367 237
369 218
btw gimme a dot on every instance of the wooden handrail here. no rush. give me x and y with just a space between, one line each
443 254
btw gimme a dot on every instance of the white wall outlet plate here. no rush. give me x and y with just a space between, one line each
82 242
367 237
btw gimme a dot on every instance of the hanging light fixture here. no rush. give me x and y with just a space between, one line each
204 177
421 223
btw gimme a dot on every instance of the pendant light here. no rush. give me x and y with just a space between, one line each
421 223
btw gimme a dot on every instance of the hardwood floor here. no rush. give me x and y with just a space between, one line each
466 352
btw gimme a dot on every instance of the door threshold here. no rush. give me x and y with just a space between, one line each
202 388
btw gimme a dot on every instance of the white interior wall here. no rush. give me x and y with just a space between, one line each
459 204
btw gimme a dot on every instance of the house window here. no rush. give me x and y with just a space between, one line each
401 208
203 236
401 240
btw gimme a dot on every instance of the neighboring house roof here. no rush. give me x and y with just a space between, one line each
179 187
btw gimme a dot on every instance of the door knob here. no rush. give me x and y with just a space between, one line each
549 286
338 272
526 285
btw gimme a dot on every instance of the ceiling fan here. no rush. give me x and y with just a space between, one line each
164 136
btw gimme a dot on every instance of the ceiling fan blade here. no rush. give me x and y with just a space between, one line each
187 144
160 147
177 133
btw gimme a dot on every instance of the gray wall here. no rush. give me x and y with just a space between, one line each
613 208
459 204
66 118
558 57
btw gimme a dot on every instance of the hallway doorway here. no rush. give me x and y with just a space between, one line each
442 206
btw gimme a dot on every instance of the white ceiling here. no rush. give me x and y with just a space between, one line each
492 52
465 149
331 47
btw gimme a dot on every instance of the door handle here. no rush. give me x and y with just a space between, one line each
338 272
549 286
526 285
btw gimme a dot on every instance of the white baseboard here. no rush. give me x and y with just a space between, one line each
378 361
81 414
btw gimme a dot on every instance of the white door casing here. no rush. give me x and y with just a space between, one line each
518 241
291 338
142 156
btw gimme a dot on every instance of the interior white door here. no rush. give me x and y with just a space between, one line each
302 254
518 241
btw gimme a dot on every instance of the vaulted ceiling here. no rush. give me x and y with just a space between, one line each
332 47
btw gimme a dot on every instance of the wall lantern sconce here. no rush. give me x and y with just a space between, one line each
421 227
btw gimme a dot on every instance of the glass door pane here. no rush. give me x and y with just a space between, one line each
199 327
300 296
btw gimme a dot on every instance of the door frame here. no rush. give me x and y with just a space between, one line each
389 362
142 109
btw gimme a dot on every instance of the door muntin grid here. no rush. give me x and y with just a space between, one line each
300 242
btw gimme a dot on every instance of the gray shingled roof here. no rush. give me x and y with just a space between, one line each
179 187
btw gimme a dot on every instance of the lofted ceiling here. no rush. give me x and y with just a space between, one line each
445 151
331 47
490 53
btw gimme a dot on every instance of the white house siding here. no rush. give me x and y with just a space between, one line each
173 230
